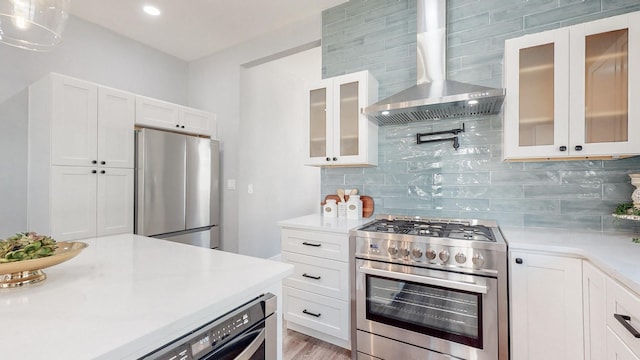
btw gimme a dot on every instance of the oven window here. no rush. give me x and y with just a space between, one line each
445 313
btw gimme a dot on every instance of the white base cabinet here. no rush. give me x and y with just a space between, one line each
316 295
546 307
595 322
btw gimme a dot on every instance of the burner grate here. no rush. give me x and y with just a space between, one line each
440 229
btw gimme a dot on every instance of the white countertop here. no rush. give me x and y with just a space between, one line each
126 295
323 223
613 253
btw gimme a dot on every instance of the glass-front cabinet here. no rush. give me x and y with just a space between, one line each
339 134
570 91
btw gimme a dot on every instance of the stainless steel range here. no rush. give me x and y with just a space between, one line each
429 289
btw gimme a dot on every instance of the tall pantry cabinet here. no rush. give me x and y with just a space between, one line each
81 148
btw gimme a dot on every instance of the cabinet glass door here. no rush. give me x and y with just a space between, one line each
318 123
606 87
349 119
536 92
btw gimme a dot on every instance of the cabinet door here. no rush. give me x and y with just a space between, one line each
114 214
595 323
546 307
116 113
350 126
536 107
198 122
73 202
320 123
156 113
603 99
616 348
74 125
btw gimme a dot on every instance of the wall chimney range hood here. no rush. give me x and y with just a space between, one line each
434 97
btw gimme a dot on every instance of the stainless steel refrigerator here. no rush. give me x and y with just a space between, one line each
177 188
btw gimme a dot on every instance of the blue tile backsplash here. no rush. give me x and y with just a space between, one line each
433 179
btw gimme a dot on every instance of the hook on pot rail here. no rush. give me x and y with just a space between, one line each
456 143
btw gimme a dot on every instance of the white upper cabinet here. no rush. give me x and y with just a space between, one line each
74 121
338 133
571 91
164 115
116 112
89 124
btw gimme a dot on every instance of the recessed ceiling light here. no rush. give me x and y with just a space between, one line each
151 10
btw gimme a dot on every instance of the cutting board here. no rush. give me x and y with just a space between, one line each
367 203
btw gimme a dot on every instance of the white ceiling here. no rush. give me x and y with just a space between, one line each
191 29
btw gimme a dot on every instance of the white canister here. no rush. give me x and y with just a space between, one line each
354 207
342 209
330 208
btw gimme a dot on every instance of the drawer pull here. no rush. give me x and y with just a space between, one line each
311 276
310 313
624 320
311 244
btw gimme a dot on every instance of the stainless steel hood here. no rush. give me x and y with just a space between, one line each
434 97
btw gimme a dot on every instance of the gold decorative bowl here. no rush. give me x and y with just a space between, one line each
24 272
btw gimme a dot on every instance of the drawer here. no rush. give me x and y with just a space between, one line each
622 302
318 275
616 349
316 243
316 312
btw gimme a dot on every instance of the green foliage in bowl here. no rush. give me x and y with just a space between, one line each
26 246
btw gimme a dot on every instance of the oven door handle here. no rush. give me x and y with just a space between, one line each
457 285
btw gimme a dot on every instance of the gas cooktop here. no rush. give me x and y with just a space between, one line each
432 228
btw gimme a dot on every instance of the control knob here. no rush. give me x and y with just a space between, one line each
431 254
477 260
417 253
461 258
404 252
444 256
393 250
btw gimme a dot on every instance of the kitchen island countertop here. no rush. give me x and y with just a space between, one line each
126 295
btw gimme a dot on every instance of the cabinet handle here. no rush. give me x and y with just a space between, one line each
519 261
311 276
94 171
103 163
103 172
311 244
310 313
563 148
624 320
182 126
177 125
328 158
335 159
578 147
94 162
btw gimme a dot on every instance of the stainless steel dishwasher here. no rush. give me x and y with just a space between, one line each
245 333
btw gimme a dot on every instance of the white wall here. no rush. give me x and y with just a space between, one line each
214 85
273 148
88 52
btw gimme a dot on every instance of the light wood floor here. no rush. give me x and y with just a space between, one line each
297 346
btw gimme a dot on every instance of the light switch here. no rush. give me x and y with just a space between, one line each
231 184
250 189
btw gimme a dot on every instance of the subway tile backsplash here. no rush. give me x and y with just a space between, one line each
433 179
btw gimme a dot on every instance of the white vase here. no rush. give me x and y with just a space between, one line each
635 196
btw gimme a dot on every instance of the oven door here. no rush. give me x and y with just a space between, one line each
451 313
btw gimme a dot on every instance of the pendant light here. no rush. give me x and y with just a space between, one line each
33 24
